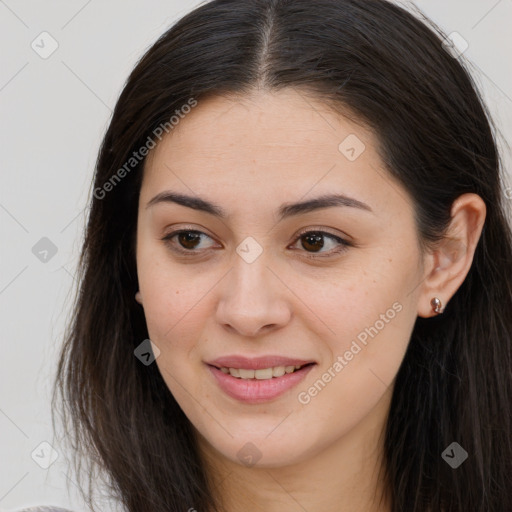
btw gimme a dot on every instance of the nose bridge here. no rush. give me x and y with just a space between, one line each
252 279
252 297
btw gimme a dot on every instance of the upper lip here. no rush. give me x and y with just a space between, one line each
256 363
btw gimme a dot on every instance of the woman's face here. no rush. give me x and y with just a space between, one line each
239 299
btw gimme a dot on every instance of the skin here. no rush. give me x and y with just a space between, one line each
250 155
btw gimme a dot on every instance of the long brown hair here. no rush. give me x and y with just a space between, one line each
391 70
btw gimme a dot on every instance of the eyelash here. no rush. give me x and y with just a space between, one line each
190 252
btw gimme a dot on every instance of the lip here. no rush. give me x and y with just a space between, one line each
256 363
255 391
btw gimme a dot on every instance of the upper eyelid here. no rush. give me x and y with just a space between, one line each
314 229
325 231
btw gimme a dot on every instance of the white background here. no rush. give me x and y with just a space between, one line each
54 112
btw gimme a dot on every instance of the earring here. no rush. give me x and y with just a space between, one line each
437 305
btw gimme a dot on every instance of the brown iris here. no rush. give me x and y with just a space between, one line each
313 240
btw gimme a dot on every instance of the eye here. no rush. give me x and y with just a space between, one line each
187 241
313 242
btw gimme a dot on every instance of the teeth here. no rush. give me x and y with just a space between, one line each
245 374
278 371
266 373
263 374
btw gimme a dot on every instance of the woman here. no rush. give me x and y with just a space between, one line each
295 284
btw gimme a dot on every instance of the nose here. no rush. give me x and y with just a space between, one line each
253 299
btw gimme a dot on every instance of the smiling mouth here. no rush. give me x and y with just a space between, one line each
273 372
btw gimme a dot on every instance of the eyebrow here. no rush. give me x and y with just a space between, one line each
285 210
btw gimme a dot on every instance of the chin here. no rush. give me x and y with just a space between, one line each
260 451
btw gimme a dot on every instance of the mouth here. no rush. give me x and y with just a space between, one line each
273 372
258 380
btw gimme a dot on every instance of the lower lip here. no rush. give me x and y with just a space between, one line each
254 391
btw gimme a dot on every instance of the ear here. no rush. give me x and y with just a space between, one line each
448 264
138 297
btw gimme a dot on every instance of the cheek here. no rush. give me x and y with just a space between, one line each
370 313
170 291
367 300
362 360
171 308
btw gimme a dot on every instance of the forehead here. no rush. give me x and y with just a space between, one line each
280 145
264 125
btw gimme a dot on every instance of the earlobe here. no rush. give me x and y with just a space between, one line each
451 259
138 297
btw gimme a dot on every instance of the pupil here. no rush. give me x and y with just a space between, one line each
312 239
